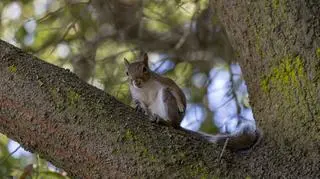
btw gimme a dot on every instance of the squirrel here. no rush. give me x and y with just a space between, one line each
164 102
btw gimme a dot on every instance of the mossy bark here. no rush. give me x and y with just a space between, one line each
278 44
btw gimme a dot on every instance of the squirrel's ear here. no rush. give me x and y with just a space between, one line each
145 59
126 62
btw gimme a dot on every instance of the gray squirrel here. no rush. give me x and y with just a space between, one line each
164 102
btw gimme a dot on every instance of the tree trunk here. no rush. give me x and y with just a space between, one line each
279 47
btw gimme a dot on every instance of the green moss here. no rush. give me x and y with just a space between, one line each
284 77
56 99
318 52
115 151
129 135
59 99
258 45
132 143
12 68
146 154
136 145
275 4
152 158
198 171
258 33
265 85
73 98
54 92
281 7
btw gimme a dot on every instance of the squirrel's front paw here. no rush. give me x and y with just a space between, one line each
139 108
155 118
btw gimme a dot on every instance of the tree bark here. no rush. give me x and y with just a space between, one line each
278 43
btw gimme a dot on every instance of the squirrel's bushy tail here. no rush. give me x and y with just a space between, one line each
240 141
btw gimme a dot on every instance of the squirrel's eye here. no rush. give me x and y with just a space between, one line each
144 70
127 73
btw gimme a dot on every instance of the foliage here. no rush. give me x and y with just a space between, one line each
22 166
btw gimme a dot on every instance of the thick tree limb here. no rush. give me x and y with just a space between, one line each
88 132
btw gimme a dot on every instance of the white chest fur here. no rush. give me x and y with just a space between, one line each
151 95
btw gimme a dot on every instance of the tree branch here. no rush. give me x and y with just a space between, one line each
87 132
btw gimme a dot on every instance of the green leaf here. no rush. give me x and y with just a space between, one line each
20 34
183 71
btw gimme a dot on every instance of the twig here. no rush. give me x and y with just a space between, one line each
162 62
187 32
63 36
115 55
233 91
182 40
218 89
224 148
227 101
48 15
38 166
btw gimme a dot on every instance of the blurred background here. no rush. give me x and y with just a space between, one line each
184 40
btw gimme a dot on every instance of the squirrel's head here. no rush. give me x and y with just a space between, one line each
138 72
